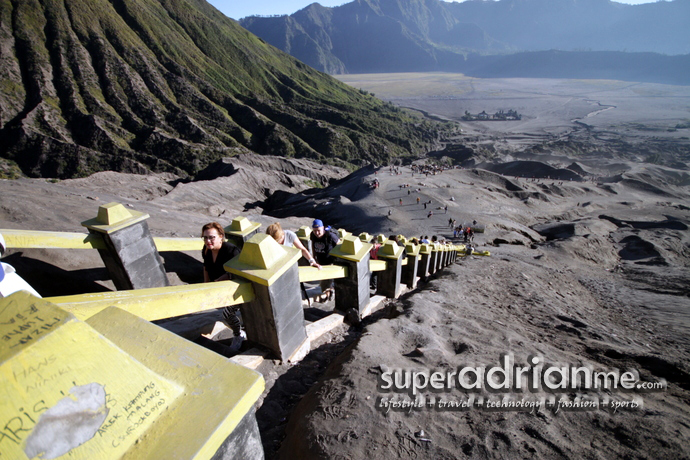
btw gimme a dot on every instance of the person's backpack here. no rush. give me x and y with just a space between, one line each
335 237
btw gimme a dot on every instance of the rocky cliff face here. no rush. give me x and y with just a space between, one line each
172 85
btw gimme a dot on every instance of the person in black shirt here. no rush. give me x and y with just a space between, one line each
322 241
215 253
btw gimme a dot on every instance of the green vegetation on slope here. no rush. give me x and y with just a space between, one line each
173 85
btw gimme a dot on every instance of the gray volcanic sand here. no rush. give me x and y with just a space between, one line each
597 294
176 209
592 273
605 110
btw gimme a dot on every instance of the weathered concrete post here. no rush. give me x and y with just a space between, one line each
365 237
274 318
353 291
130 256
439 257
342 233
120 387
424 259
409 271
389 279
303 235
433 259
444 256
240 230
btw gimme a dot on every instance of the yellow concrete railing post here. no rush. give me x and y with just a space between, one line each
434 260
116 386
303 234
130 256
240 230
342 233
352 292
424 261
409 271
275 317
389 279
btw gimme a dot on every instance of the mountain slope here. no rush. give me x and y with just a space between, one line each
429 35
596 25
172 85
373 36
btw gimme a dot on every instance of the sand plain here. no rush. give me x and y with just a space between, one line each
551 109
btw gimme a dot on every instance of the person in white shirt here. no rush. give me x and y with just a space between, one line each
289 238
10 281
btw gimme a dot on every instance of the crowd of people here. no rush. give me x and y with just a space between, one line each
428 169
217 251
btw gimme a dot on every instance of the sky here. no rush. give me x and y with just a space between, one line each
238 9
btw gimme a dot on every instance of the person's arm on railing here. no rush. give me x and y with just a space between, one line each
298 244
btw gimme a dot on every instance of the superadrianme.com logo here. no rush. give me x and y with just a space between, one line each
531 387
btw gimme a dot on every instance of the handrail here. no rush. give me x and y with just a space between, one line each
177 244
159 303
327 272
30 239
377 265
34 239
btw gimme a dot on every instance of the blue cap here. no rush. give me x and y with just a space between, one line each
317 223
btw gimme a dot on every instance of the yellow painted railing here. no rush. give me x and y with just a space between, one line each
30 239
377 265
26 239
177 244
159 303
327 272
